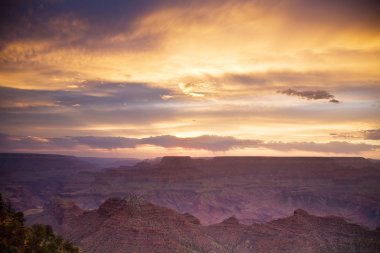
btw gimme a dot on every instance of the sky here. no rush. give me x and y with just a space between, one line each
148 78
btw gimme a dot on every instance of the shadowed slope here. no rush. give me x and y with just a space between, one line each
133 225
254 189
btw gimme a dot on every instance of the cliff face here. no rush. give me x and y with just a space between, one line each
201 205
125 225
31 180
122 225
253 189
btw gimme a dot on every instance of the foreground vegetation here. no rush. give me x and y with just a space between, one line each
15 237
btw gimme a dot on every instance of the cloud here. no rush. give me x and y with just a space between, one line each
373 134
205 142
106 142
123 107
58 52
112 41
247 78
306 84
88 94
334 101
335 12
336 147
88 105
97 18
310 95
71 22
315 95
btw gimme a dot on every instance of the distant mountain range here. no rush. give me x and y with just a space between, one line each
261 193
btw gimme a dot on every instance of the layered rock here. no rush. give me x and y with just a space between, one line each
113 228
253 189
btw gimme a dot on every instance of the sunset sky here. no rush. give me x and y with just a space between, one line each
147 78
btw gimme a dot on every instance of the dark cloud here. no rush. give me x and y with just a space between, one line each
373 134
85 22
88 105
348 135
247 79
77 118
315 95
70 21
334 101
310 95
207 142
129 110
86 94
329 147
106 142
334 13
273 78
343 82
204 142
112 94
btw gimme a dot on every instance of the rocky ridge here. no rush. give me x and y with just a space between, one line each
133 225
253 189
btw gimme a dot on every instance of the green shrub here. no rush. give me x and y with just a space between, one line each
15 237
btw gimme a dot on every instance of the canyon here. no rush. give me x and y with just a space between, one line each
134 225
231 204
